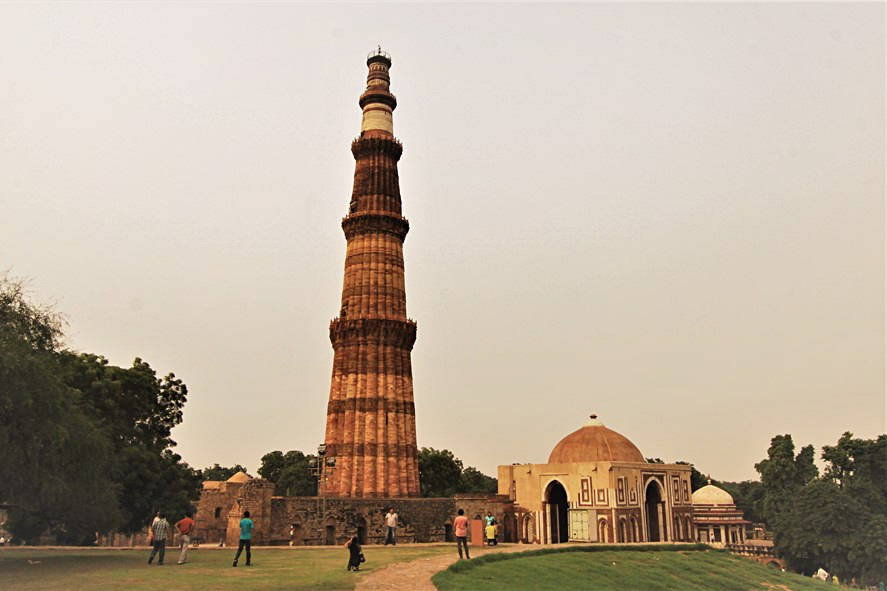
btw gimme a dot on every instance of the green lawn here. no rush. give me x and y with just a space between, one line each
624 569
208 568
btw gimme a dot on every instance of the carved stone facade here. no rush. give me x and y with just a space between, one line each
222 504
597 487
371 423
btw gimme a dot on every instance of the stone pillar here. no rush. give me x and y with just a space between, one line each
371 425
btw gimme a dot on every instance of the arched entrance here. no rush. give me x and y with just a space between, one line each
602 531
556 499
510 528
528 530
654 508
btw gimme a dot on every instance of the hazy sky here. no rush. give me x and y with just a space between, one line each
671 215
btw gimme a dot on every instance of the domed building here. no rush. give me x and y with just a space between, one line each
718 521
597 487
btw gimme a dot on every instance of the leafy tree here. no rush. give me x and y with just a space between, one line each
473 480
290 473
783 475
137 410
819 529
440 472
840 459
838 521
861 465
84 446
858 469
54 459
220 473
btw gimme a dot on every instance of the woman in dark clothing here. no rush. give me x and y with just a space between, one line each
354 554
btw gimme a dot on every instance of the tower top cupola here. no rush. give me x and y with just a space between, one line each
377 101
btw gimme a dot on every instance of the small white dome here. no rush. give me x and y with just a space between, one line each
711 495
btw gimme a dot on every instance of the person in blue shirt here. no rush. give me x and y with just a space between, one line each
246 538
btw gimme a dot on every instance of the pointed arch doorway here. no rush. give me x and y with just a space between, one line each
654 513
557 506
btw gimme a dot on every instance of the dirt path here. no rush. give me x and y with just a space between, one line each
416 575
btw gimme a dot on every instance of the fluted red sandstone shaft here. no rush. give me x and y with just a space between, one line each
371 423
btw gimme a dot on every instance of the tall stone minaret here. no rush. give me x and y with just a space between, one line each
371 422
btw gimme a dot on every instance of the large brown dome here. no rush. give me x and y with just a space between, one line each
594 443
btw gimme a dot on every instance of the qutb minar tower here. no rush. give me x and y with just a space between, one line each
371 422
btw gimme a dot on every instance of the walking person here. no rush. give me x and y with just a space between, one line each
391 522
185 526
355 556
159 529
246 538
460 527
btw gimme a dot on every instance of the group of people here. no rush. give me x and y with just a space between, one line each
461 530
160 530
184 528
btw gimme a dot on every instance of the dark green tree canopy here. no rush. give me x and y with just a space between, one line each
289 472
84 446
838 521
783 474
55 461
441 475
137 411
473 480
440 472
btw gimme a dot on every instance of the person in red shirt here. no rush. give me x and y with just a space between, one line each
185 527
460 525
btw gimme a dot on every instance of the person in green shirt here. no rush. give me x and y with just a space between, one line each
246 538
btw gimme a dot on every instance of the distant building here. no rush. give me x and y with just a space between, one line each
597 487
313 521
718 521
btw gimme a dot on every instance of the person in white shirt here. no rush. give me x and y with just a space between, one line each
391 522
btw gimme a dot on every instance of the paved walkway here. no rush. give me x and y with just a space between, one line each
416 575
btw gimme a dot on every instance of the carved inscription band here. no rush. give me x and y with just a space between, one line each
371 405
381 331
366 223
364 146
398 450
